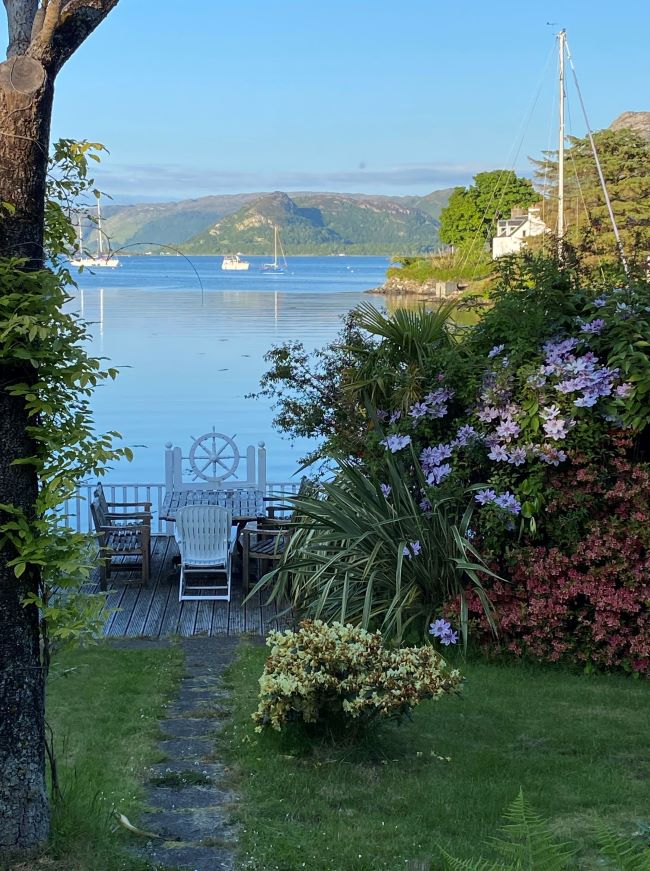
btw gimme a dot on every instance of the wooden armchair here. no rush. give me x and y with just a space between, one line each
121 534
267 540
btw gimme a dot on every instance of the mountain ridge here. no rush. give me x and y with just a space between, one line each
309 222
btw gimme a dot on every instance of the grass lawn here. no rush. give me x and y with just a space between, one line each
103 705
578 746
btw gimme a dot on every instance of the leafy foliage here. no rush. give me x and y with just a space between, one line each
342 677
473 212
378 560
625 161
527 844
46 343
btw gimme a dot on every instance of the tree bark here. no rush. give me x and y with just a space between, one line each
40 43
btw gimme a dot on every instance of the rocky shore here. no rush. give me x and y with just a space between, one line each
430 289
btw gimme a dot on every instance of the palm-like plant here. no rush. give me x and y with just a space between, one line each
380 562
412 343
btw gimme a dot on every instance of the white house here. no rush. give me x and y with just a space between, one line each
513 231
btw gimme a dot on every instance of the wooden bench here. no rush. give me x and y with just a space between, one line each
121 535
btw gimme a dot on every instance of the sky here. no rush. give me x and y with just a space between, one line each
215 96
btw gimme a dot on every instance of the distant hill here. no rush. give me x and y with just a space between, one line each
639 122
314 223
432 203
310 223
165 223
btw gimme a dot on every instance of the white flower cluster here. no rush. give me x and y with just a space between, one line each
333 671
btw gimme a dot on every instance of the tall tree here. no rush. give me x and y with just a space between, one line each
473 212
625 160
42 36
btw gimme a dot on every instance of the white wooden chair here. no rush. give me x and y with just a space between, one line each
206 541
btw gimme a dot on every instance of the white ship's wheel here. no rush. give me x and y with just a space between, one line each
214 457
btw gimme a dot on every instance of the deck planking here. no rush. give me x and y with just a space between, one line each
135 610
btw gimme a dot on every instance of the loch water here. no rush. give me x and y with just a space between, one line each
189 340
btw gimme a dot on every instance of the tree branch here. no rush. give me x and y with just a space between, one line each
65 27
20 17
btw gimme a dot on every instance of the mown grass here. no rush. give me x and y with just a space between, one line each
578 746
444 267
103 705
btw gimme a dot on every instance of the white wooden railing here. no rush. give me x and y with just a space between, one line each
76 509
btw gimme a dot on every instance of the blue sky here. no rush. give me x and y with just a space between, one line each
213 97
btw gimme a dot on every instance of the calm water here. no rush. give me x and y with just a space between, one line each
190 346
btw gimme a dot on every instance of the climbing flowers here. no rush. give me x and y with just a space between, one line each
442 630
395 443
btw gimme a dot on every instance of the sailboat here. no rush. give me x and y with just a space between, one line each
101 259
277 267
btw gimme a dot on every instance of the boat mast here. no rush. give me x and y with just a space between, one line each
100 244
560 171
81 238
275 246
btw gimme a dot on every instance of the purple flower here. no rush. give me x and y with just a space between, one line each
537 380
442 629
412 549
549 412
483 497
594 326
439 627
600 302
432 457
395 416
464 435
385 489
552 456
517 456
488 414
395 443
587 400
449 638
624 390
508 502
495 351
419 409
425 506
438 474
556 351
381 415
508 429
557 428
498 453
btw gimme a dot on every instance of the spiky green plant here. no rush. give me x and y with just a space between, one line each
353 556
527 844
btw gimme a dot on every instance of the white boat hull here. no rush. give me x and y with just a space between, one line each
233 263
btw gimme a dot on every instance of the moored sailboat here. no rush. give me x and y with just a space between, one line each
277 267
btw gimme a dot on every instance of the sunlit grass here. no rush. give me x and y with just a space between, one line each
103 705
578 746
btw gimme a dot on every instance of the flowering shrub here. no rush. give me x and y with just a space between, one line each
592 605
327 673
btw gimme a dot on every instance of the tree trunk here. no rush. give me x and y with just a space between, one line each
25 107
41 39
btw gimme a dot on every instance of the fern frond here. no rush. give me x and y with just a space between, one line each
529 843
622 851
453 864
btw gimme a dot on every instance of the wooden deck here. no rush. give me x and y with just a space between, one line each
153 611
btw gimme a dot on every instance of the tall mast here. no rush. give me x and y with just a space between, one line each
81 238
275 246
560 172
100 244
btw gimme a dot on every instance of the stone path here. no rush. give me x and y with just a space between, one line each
187 794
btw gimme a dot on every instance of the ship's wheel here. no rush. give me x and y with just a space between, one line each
213 457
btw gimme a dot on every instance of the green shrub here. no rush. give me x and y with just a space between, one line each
340 677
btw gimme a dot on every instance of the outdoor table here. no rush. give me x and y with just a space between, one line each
244 503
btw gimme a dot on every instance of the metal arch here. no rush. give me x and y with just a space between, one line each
207 457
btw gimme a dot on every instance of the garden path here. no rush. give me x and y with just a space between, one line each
189 795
